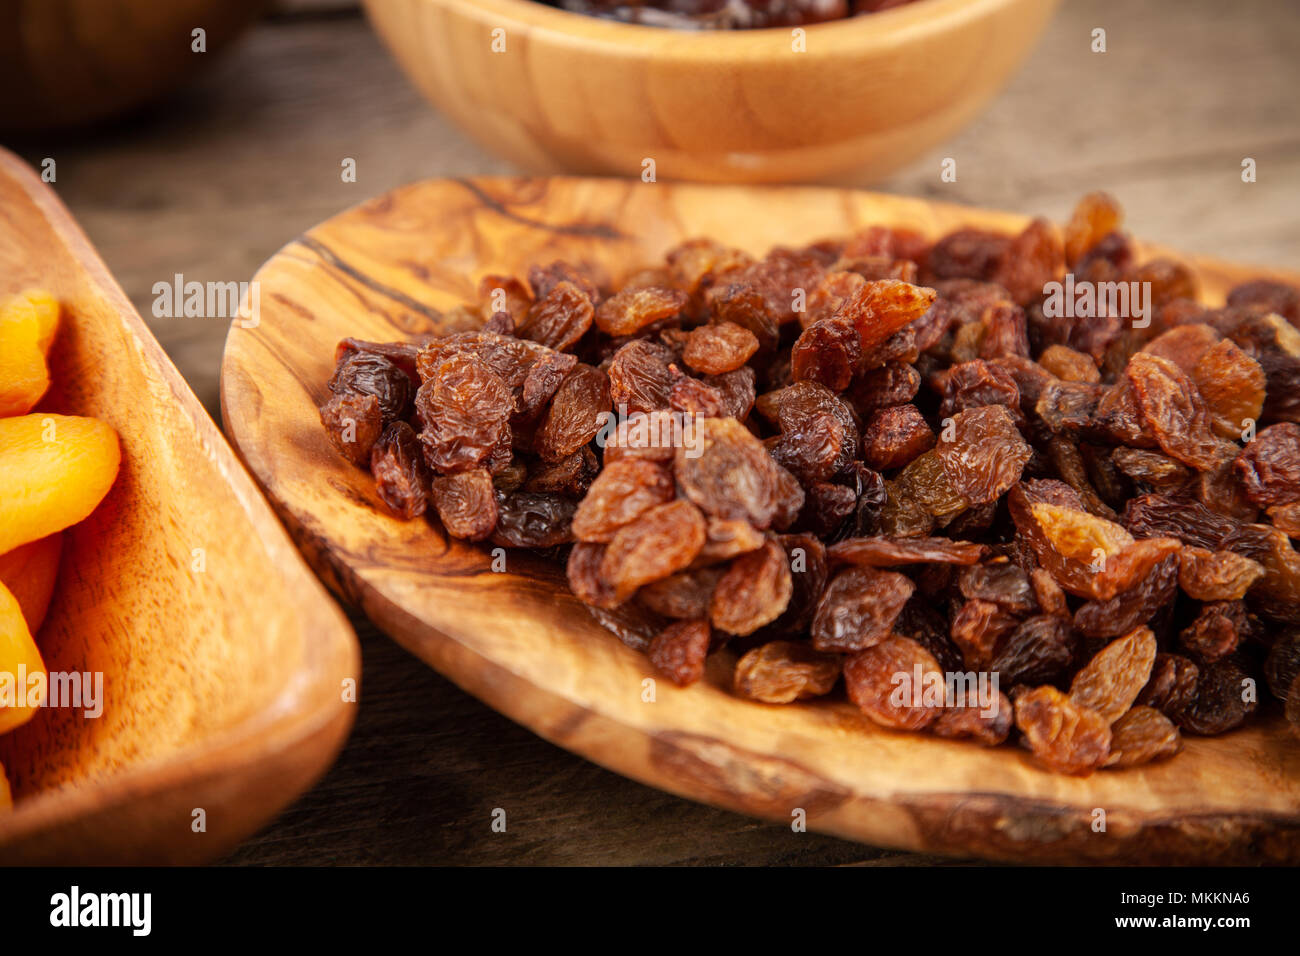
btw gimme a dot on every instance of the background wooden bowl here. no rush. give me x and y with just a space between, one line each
68 62
572 93
223 658
398 266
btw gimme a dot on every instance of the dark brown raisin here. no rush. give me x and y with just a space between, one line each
398 467
678 651
466 504
782 671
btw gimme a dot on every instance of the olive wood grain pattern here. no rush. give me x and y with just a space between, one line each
518 640
848 101
223 659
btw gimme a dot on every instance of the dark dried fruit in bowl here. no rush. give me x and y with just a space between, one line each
858 608
1065 495
398 466
678 651
466 504
882 682
783 671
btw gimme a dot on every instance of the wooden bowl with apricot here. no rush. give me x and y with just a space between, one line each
171 675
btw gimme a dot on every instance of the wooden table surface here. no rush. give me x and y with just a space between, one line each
212 182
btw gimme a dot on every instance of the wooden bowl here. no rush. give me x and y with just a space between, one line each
70 62
575 94
223 658
521 642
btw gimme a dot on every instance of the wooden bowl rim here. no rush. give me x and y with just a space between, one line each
858 37
273 728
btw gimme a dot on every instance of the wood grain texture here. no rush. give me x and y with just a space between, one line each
519 641
222 657
558 92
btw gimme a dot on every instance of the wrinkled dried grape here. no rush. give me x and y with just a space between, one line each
1216 575
367 373
529 520
1067 736
858 608
1110 682
465 409
884 552
1217 631
466 504
398 467
678 651
881 682
894 436
1222 701
1143 735
559 318
631 310
753 592
662 541
781 671
967 718
1172 685
576 413
353 423
620 494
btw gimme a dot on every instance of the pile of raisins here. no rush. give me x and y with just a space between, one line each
883 456
725 14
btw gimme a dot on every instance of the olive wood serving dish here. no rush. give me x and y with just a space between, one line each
395 267
223 658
